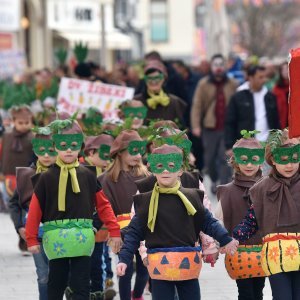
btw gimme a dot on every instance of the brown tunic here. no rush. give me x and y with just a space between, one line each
235 202
24 185
173 226
276 202
13 157
175 110
120 194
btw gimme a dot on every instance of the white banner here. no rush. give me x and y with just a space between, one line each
9 15
12 62
75 94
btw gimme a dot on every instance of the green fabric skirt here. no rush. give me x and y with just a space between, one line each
68 238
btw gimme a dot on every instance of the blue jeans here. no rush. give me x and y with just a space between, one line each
42 270
140 280
97 268
107 260
187 289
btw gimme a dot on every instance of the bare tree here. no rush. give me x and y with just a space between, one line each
266 30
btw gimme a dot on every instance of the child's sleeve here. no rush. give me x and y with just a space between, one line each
15 210
106 214
247 228
33 222
134 235
213 228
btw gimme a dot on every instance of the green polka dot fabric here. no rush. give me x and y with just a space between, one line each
68 238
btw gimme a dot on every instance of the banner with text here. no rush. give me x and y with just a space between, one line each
76 94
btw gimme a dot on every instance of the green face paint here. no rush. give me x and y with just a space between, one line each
135 112
171 162
41 147
154 79
137 147
283 156
64 142
245 156
104 152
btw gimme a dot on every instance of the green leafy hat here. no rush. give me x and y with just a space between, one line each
67 126
248 140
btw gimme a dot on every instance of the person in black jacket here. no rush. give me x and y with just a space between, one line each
253 108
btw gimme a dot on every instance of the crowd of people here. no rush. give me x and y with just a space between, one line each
79 185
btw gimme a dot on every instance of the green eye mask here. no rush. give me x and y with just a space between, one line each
64 142
137 147
154 78
135 112
245 156
184 144
287 155
41 147
104 152
171 162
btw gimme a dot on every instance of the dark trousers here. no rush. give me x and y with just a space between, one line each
76 271
107 260
251 288
140 280
215 160
285 286
97 268
165 290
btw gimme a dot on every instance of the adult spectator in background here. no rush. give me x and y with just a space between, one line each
281 91
98 72
160 103
235 68
191 80
211 98
174 84
83 71
253 108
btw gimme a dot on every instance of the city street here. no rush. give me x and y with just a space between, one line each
16 269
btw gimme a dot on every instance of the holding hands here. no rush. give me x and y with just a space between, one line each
230 248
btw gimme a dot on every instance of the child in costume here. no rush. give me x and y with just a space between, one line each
96 151
160 104
276 213
245 265
46 156
135 110
119 186
64 199
169 218
16 146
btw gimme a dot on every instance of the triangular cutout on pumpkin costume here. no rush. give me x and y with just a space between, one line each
156 272
164 260
185 264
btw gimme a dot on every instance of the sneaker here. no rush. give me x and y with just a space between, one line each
109 293
68 293
97 296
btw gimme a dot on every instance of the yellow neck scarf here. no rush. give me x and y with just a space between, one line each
65 169
98 169
40 168
154 202
154 100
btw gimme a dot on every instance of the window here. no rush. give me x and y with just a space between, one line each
159 21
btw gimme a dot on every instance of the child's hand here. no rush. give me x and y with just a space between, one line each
34 249
146 262
121 269
230 248
22 233
115 244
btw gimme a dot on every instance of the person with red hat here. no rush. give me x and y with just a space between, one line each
64 199
119 186
160 104
244 267
169 218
